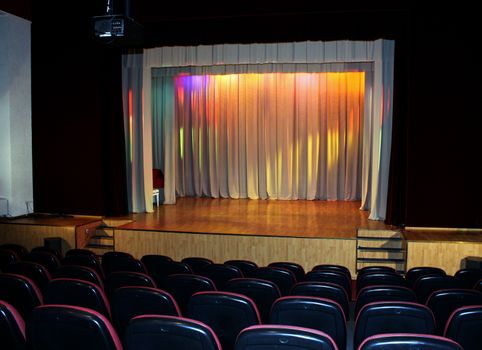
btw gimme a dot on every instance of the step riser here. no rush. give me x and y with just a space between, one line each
381 255
380 244
396 266
107 241
379 233
100 251
106 231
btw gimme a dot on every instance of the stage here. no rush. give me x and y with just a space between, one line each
301 218
306 232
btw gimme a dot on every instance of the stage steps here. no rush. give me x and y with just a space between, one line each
381 248
102 241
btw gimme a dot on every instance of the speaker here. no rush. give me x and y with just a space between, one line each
472 262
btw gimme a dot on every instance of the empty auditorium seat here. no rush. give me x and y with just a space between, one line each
79 251
19 249
87 260
126 279
220 274
325 290
408 342
268 337
226 313
374 269
379 279
168 332
46 259
444 302
36 272
121 261
83 273
20 292
247 267
7 256
183 286
468 277
42 248
392 317
465 327
297 269
283 278
196 263
335 277
478 285
332 267
415 273
128 302
262 292
60 327
311 312
426 285
159 267
12 328
68 291
374 294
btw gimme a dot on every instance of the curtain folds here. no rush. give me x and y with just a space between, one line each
233 129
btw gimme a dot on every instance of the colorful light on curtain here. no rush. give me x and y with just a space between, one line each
274 135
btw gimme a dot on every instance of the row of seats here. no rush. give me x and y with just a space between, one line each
228 313
71 327
335 290
55 327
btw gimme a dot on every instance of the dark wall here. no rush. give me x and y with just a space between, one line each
78 149
435 166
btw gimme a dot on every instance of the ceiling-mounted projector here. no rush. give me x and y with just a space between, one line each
117 30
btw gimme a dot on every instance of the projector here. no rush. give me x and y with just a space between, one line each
117 30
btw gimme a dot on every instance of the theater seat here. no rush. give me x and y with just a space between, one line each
128 302
337 277
36 272
12 328
120 279
283 278
374 294
392 317
220 274
7 256
332 267
83 273
168 332
20 292
247 267
297 269
226 313
311 312
465 327
196 263
415 273
69 291
61 327
183 286
408 342
269 337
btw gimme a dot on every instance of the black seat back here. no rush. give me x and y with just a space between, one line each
426 285
220 274
68 291
468 277
383 293
183 286
336 277
408 342
196 263
268 337
60 327
20 292
128 302
415 273
36 272
283 278
464 326
83 273
120 279
12 328
247 267
226 313
379 278
168 332
297 269
392 317
325 290
311 312
262 292
444 302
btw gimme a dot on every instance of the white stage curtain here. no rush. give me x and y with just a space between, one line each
378 101
273 135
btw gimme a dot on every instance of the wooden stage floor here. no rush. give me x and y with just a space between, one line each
309 219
